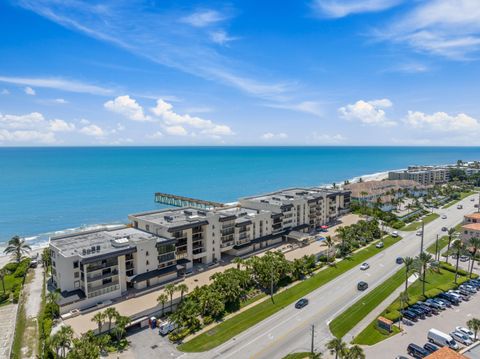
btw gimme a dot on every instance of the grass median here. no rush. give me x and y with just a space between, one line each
417 225
346 321
242 321
463 195
442 243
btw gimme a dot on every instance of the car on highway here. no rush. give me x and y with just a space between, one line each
466 331
419 233
379 245
444 216
459 206
444 229
464 258
362 285
472 199
394 234
429 347
416 351
399 260
301 303
461 338
364 266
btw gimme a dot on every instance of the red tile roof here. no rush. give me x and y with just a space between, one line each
445 353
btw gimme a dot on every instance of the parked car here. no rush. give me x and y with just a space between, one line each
430 347
434 304
459 206
379 245
464 297
416 351
419 233
408 314
450 298
364 266
434 308
394 234
442 339
301 303
420 313
466 331
444 229
468 288
474 283
362 285
444 302
461 338
166 327
453 294
444 216
428 311
464 258
399 260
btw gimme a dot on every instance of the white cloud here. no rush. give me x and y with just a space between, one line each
449 28
269 136
58 84
443 122
60 101
29 91
61 126
203 18
27 136
84 121
93 130
164 110
4 92
21 121
324 138
342 8
221 37
176 130
26 128
127 107
156 135
368 112
311 107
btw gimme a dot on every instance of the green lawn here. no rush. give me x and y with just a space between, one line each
304 355
237 324
462 196
371 335
346 321
416 225
442 243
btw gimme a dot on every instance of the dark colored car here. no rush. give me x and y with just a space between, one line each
418 312
444 301
444 229
433 304
362 285
452 299
425 309
417 351
410 315
430 347
399 260
301 303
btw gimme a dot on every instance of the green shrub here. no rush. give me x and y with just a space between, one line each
11 267
397 224
394 315
432 292
16 295
447 286
4 297
207 320
47 327
415 298
177 336
22 268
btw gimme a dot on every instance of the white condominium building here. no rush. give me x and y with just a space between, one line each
94 266
425 175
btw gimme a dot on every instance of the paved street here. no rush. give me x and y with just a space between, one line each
289 330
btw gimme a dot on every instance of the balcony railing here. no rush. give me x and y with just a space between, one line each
95 277
102 286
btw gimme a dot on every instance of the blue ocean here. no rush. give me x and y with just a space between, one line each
46 190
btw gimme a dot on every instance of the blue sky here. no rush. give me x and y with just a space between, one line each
305 72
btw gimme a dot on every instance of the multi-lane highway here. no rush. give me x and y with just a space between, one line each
289 330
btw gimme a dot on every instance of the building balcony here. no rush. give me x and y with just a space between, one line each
227 244
102 286
180 255
95 277
93 268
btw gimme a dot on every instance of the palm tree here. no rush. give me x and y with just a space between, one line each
99 319
474 243
329 242
337 346
451 231
403 302
474 325
408 262
17 248
110 314
170 289
121 323
3 273
238 261
182 288
355 352
162 299
65 336
423 260
458 248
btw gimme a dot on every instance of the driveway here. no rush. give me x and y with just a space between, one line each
8 316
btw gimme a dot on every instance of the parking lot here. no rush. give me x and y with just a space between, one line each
147 343
446 321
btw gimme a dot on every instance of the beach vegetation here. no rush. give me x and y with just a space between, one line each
17 248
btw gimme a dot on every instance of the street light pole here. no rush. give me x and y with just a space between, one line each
436 250
421 242
313 335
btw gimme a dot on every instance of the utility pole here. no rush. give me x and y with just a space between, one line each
271 285
313 335
437 257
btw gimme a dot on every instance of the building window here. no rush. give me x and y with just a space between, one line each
75 264
147 263
76 275
54 264
76 284
146 253
147 228
107 281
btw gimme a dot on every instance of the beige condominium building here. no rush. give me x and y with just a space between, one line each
425 175
163 245
471 226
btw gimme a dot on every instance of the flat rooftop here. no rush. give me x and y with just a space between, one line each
174 217
98 242
286 196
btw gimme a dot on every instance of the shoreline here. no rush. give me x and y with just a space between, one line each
377 176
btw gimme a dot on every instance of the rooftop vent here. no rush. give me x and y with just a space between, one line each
188 213
202 213
119 242
168 218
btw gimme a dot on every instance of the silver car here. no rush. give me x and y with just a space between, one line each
461 338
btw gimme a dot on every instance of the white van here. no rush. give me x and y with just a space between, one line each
440 338
166 327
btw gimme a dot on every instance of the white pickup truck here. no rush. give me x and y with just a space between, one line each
166 327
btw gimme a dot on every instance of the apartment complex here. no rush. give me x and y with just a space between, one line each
94 266
471 226
425 175
163 245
